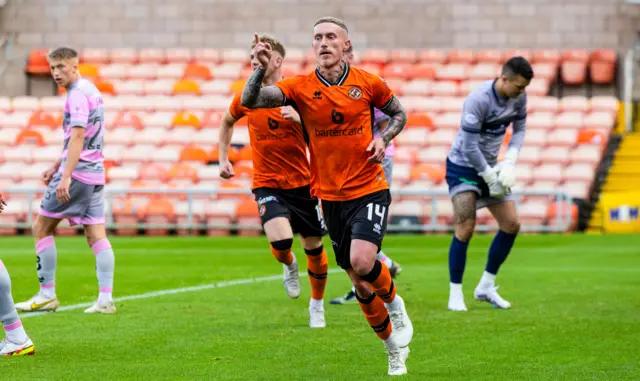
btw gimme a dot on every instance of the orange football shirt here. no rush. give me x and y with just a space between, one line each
278 148
339 123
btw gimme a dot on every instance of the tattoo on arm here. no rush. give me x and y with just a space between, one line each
398 120
256 96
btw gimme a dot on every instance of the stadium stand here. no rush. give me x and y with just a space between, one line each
164 108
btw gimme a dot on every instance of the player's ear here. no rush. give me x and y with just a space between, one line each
278 61
347 45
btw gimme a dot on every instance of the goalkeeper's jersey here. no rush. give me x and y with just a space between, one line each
486 113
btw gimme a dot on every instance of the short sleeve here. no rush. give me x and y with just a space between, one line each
78 109
288 88
236 109
382 94
473 113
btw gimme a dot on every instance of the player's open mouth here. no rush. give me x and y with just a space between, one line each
325 54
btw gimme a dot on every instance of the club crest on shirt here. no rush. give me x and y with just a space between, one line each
355 93
263 210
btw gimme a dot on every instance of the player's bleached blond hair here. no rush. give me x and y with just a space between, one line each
332 20
62 53
275 44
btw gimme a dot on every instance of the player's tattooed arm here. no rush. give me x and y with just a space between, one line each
397 121
256 96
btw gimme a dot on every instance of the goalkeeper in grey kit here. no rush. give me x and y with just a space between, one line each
476 179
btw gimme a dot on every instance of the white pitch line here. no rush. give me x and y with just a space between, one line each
154 294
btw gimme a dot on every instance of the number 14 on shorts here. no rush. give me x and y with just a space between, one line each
379 211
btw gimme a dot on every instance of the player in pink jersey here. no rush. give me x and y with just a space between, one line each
75 187
16 341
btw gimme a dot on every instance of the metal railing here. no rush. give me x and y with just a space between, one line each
191 221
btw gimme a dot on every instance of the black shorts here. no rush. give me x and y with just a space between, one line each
364 218
296 205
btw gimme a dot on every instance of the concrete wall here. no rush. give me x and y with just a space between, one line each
379 23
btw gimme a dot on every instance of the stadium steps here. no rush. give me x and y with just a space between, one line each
623 174
591 207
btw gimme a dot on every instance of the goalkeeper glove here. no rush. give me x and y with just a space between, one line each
490 176
506 169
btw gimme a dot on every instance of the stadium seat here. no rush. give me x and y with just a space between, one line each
247 214
171 71
591 136
185 119
37 63
186 86
408 56
422 71
575 103
158 211
542 104
30 137
433 173
432 56
182 171
603 66
490 56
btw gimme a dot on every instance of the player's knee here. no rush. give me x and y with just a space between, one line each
465 228
362 263
283 244
510 227
94 235
40 229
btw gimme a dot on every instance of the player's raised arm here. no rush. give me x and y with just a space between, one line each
254 95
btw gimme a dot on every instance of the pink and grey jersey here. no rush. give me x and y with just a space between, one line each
378 117
84 108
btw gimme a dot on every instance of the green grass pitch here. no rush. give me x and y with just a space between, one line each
575 315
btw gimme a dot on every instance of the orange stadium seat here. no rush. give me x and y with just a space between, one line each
237 86
591 136
197 71
42 119
420 120
434 173
247 214
89 71
124 55
105 87
603 66
193 154
397 70
432 56
185 119
158 211
29 136
37 63
152 171
186 86
124 213
182 171
547 55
